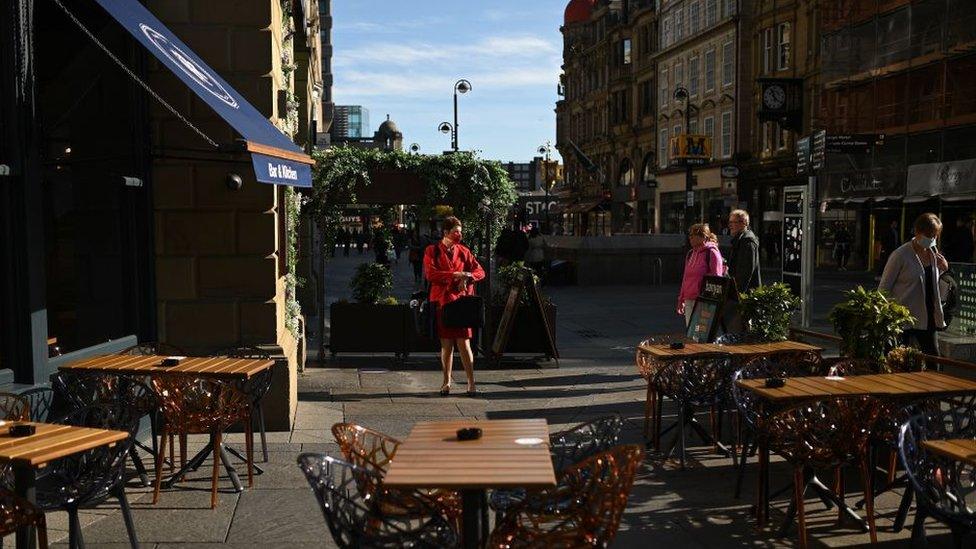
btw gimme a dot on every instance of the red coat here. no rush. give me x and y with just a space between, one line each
439 268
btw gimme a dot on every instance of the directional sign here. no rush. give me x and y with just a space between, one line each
802 156
861 143
818 149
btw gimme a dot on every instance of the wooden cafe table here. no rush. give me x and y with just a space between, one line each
962 450
663 352
28 454
905 387
218 367
511 453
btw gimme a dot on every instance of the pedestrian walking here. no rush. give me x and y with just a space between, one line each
452 271
703 259
744 260
415 255
535 257
842 246
911 276
890 240
346 242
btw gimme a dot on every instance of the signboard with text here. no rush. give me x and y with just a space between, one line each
858 143
818 150
803 156
691 149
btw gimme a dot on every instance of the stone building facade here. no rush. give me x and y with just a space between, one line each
221 254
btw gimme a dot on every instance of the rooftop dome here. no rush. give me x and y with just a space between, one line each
578 11
388 127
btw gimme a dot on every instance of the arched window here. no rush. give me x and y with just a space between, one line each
647 173
625 177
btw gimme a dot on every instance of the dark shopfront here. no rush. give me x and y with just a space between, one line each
75 200
761 194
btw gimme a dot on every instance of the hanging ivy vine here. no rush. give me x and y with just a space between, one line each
479 191
288 124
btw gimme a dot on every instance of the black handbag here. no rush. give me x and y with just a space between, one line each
465 312
424 314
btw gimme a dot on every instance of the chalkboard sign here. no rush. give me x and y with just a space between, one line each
535 301
965 274
505 323
709 308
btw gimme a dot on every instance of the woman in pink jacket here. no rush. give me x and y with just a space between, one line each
703 259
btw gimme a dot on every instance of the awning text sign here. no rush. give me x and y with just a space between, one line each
942 178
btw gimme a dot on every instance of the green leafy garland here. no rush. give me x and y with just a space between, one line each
461 180
293 310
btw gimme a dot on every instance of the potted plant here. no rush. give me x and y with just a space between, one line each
527 328
869 324
767 311
375 323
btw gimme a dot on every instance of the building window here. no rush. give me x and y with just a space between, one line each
663 87
693 76
783 41
693 126
709 70
662 148
726 134
711 12
666 33
729 7
780 137
766 140
676 130
728 63
709 126
679 75
647 97
694 18
679 24
625 51
767 50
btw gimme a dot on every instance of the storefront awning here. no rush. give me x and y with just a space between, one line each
953 180
274 157
584 207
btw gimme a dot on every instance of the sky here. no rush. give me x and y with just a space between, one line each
402 58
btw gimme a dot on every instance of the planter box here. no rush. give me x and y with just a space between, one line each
526 335
364 328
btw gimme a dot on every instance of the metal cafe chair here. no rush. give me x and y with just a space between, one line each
192 405
156 348
16 512
824 434
14 407
40 400
751 415
87 479
568 448
583 510
647 367
697 381
80 390
373 451
943 487
354 518
256 388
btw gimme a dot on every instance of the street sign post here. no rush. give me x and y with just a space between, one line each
797 256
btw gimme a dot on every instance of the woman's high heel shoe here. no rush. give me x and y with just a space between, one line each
446 390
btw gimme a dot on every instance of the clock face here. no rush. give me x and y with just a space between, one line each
774 97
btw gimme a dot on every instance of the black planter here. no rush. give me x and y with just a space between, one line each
364 328
527 330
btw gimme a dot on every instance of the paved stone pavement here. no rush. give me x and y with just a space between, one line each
597 330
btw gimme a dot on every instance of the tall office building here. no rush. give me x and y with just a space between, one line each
350 122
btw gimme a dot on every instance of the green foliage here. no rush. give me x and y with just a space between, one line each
389 301
461 180
293 210
371 282
511 275
768 310
903 359
869 323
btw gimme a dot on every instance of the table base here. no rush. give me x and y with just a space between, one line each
474 518
196 461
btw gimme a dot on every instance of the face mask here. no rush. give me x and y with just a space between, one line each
454 237
925 241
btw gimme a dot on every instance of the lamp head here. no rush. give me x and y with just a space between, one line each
462 86
414 147
541 149
445 127
681 94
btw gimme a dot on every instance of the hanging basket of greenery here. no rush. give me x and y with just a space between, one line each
371 283
869 324
768 310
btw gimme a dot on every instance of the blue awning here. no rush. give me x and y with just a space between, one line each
276 159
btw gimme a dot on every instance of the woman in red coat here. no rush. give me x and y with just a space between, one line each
452 271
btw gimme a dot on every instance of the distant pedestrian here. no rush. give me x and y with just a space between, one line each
744 261
912 277
772 241
842 246
703 259
360 241
346 242
535 257
415 255
957 242
890 240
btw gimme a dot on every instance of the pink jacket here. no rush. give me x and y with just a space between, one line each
697 265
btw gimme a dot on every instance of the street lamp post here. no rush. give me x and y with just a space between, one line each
681 94
461 86
546 150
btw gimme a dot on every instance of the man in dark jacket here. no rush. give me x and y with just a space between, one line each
744 260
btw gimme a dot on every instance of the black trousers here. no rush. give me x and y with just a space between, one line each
925 340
